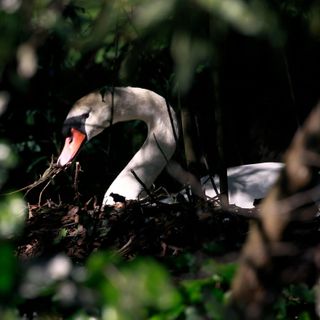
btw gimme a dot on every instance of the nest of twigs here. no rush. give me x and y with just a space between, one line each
137 228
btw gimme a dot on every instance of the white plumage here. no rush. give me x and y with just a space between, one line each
96 111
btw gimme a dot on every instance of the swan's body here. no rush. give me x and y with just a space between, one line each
246 183
96 111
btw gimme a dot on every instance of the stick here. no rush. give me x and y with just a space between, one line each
143 185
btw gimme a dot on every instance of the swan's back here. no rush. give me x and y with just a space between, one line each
247 182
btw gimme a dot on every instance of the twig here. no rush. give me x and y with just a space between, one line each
143 185
204 157
40 195
291 91
76 181
218 113
162 152
49 173
175 134
293 198
124 249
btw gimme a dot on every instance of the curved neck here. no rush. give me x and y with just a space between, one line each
159 146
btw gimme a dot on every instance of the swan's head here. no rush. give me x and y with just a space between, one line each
87 118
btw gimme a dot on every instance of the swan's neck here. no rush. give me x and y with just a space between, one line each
159 146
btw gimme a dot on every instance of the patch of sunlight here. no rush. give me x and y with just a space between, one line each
236 12
12 216
153 12
5 152
59 267
10 6
4 99
27 60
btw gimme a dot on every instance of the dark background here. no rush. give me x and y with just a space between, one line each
264 79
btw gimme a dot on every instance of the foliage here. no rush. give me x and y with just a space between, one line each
108 288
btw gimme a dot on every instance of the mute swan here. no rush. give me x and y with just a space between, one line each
246 183
96 111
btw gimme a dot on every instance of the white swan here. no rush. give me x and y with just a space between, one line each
93 113
96 111
246 183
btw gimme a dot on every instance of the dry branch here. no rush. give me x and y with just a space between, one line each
50 173
270 257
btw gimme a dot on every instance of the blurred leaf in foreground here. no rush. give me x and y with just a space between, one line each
131 290
12 216
8 268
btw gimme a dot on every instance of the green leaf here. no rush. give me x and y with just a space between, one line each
62 234
12 216
8 269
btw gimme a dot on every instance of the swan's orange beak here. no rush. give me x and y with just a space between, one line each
71 147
